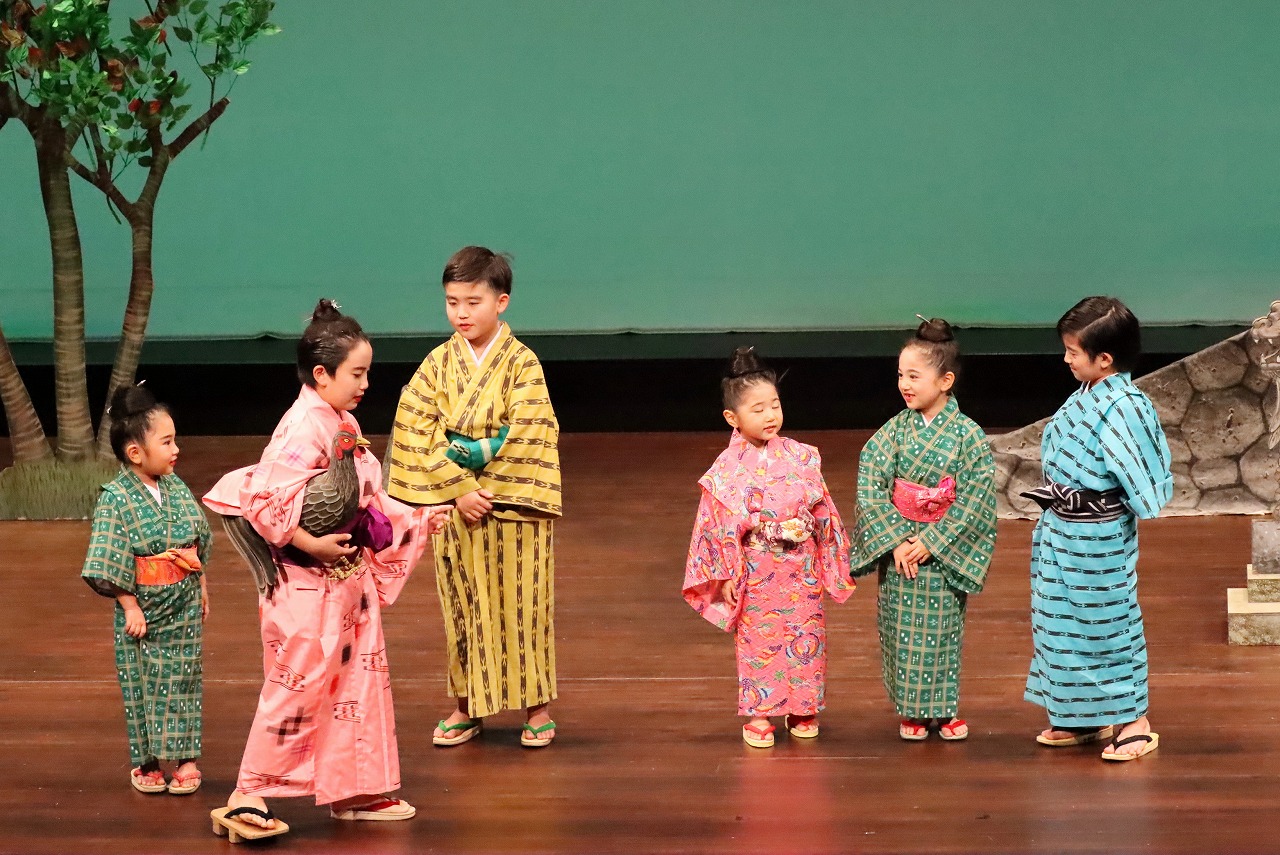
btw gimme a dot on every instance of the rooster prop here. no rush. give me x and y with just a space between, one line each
330 505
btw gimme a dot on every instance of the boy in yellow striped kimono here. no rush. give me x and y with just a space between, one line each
475 427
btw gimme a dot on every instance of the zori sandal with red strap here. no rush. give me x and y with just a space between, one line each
802 726
757 736
912 732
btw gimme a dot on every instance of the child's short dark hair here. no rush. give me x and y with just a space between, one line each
479 264
1104 325
936 341
745 370
133 409
327 341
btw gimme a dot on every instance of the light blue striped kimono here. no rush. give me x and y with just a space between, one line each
1089 668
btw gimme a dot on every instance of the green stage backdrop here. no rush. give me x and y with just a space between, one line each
705 165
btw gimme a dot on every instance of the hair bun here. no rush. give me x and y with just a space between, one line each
326 311
130 401
744 361
935 330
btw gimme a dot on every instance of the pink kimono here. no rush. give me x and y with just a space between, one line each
767 522
325 724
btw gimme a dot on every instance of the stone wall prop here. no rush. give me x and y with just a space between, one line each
1220 413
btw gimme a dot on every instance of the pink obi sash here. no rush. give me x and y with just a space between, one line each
168 567
922 504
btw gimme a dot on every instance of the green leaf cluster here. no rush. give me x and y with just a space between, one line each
118 94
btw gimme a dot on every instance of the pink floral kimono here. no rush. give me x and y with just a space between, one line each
325 724
767 522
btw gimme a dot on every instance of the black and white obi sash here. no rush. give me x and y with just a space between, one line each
1074 505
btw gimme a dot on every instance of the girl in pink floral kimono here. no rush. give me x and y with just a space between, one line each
766 543
325 726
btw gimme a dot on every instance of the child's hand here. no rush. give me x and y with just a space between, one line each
905 565
729 592
437 516
135 624
919 553
474 505
204 599
331 547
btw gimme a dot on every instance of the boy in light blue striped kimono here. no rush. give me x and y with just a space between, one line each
1106 464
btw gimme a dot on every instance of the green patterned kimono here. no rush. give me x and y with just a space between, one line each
922 620
160 673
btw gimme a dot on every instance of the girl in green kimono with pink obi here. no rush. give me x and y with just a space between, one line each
148 544
927 525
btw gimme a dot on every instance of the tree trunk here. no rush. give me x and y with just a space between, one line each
75 427
25 432
136 314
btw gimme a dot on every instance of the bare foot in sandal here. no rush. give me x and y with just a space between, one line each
239 800
1141 727
458 716
186 779
540 716
803 726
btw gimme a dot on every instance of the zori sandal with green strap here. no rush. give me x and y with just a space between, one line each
532 736
467 730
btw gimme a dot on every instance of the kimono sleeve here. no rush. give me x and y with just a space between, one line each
964 540
272 497
832 541
715 556
109 566
418 470
204 537
881 529
525 471
1136 453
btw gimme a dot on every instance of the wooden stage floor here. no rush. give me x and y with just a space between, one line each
648 757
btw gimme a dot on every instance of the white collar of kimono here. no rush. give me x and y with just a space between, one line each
479 357
948 406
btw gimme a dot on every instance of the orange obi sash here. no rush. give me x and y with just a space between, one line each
922 504
172 565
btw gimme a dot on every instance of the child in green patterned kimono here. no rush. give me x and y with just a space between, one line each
148 544
927 524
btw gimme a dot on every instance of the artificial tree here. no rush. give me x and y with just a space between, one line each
104 94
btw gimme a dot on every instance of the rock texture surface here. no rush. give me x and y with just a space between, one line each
1219 410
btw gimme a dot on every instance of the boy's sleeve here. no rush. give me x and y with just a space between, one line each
1137 454
525 472
418 470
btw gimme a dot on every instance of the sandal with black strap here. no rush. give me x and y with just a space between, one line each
1081 736
1152 739
226 823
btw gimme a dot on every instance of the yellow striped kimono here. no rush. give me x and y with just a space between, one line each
495 578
